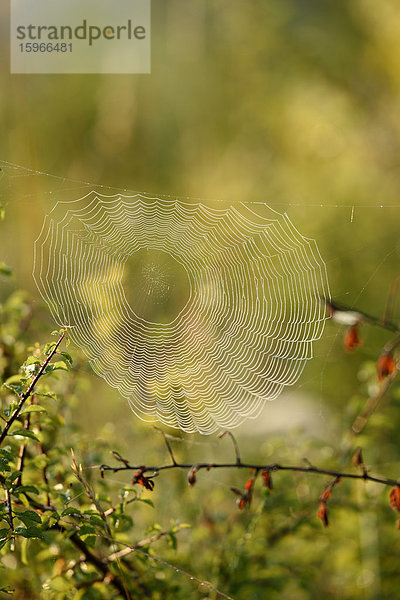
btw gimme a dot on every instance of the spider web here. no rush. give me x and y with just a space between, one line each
196 315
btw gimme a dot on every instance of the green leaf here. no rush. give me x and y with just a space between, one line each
5 270
59 332
173 541
87 533
13 476
3 516
9 411
7 589
32 360
2 544
15 389
4 466
87 530
28 517
67 357
60 584
22 489
90 540
7 454
4 533
96 520
51 395
33 408
14 379
25 433
146 501
49 347
73 512
60 365
29 532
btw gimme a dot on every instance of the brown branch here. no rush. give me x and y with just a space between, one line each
383 322
386 372
391 298
392 344
99 563
112 509
256 467
24 397
145 542
160 561
371 405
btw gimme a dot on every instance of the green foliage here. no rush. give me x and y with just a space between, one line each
59 533
68 532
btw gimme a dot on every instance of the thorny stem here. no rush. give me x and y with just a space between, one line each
24 397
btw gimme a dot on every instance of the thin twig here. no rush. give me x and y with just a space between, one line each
145 542
98 562
383 323
256 467
235 444
160 561
77 470
167 444
392 344
391 298
24 397
371 405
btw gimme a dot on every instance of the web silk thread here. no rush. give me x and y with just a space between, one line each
245 332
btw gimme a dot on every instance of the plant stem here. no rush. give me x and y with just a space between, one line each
24 397
268 467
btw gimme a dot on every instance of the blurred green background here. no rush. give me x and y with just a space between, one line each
295 103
